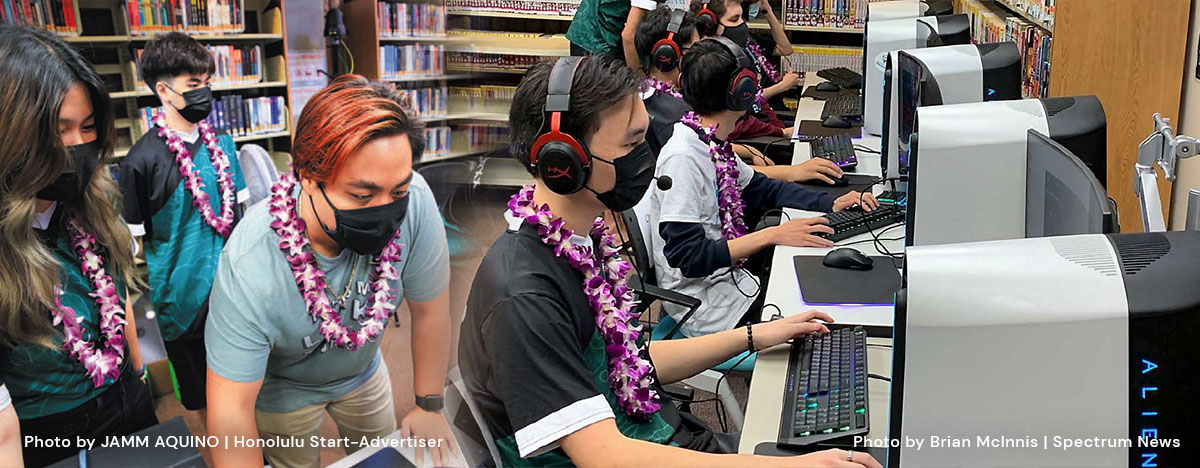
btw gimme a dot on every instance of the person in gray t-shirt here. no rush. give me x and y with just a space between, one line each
277 362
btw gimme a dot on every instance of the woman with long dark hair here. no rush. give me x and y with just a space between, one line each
69 357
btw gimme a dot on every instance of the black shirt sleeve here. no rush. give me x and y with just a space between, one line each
768 193
693 253
538 368
132 178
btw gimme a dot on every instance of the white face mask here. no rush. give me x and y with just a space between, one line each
752 12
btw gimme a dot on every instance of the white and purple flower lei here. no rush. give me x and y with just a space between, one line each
764 63
661 86
630 376
729 197
102 360
191 181
310 280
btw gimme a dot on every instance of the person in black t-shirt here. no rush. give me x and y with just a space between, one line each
537 342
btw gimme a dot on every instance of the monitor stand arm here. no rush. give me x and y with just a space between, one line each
1164 149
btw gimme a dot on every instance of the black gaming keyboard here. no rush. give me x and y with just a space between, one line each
825 396
894 197
843 77
837 148
846 105
854 221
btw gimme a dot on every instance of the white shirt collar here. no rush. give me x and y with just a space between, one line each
190 137
41 221
514 223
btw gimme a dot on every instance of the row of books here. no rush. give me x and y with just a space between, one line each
813 58
411 20
411 60
484 93
191 16
437 143
58 16
427 103
234 64
481 136
494 61
992 23
236 115
538 7
825 13
1037 10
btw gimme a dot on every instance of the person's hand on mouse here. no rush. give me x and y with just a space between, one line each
851 199
768 334
790 80
816 169
802 233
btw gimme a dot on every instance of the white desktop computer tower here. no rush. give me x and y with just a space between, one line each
886 36
1006 350
967 164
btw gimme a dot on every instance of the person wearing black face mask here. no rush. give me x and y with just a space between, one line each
182 241
734 17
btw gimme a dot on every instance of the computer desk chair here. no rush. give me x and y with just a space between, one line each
644 282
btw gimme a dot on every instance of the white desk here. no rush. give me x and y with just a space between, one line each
783 290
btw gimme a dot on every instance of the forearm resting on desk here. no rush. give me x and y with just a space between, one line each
675 360
231 415
750 244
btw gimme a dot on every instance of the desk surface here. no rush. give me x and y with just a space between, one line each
783 290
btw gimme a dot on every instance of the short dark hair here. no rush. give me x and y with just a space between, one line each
172 54
600 83
653 28
704 76
718 9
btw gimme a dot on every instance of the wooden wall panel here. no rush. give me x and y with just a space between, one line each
1131 54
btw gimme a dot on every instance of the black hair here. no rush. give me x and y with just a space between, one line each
172 54
704 77
718 9
600 83
653 28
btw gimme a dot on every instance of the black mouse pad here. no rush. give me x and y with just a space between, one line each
810 129
819 95
859 182
822 285
772 449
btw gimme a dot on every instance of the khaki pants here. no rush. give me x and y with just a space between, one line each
365 411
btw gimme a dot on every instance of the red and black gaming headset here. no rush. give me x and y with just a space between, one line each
743 84
562 161
667 51
706 19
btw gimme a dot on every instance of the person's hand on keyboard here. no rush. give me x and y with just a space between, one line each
768 334
816 169
851 199
839 458
802 233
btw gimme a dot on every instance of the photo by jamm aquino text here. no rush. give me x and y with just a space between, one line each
82 443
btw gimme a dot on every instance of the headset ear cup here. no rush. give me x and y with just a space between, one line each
560 165
666 55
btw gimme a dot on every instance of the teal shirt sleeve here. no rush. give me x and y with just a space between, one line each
238 341
426 271
230 149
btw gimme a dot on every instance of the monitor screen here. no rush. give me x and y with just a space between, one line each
909 84
1063 197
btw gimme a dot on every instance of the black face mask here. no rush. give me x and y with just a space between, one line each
739 34
366 231
634 173
198 104
72 184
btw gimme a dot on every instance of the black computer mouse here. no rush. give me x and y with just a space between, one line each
835 121
847 259
840 181
827 86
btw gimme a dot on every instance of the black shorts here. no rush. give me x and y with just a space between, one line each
188 360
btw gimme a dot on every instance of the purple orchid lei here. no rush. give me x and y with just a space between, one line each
102 360
661 86
729 195
191 181
630 376
310 280
764 63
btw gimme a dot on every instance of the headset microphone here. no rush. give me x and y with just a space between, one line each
664 182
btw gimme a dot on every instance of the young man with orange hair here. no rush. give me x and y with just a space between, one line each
308 282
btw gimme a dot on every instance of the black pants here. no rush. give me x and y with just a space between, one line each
124 408
187 356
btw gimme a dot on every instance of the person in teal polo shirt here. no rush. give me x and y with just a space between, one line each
70 366
182 214
608 27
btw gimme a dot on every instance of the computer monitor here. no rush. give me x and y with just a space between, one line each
1019 346
883 37
967 164
899 9
1062 196
937 76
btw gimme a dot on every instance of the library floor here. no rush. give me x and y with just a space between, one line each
483 208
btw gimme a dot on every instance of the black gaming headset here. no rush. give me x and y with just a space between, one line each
667 51
743 84
706 20
561 160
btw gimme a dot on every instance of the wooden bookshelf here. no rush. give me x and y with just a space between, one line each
762 25
1011 6
121 39
500 14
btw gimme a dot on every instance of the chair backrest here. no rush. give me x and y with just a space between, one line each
641 248
258 170
474 439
